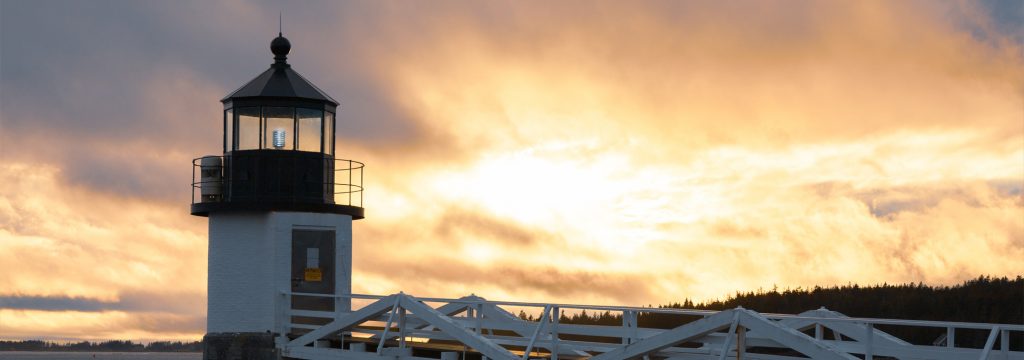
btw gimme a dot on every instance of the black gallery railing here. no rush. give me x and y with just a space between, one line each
277 177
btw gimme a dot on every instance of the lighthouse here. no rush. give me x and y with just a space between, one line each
280 208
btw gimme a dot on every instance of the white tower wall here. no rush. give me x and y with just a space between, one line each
250 266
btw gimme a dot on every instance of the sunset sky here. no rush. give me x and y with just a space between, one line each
600 152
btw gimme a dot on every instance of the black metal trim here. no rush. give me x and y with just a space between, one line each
224 126
205 209
279 102
334 130
263 126
295 129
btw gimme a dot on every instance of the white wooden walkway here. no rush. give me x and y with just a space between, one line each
401 326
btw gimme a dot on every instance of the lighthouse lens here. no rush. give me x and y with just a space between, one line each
279 138
279 128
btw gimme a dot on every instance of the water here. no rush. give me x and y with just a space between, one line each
48 355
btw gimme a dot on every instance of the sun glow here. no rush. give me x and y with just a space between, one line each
614 153
528 185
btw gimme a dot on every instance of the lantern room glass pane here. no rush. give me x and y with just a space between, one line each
279 132
328 133
248 137
310 122
229 130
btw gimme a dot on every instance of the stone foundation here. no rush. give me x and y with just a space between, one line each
239 346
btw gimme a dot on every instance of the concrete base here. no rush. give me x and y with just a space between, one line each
239 346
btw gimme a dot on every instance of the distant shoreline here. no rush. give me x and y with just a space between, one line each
110 346
99 355
105 351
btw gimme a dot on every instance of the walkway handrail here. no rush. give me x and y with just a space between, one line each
695 312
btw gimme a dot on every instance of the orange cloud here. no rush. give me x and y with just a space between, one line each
612 153
146 259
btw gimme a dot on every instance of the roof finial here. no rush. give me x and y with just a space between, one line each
280 45
280 26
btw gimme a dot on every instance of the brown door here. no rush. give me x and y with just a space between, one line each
312 272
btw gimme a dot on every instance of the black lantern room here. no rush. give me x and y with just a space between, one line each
278 150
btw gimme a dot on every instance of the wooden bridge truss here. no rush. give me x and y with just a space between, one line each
401 326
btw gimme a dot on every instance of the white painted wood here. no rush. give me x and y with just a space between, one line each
250 267
240 287
445 324
765 331
791 337
671 337
356 317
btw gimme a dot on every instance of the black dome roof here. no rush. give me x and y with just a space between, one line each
280 81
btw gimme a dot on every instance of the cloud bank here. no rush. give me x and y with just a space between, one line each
593 152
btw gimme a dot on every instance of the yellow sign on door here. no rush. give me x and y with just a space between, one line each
313 274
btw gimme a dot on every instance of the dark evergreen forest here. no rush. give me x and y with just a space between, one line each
984 300
105 346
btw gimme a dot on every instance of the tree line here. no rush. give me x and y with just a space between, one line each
105 346
983 300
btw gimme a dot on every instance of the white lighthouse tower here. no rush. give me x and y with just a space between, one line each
280 209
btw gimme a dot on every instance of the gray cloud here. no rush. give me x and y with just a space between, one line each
551 280
184 304
55 303
887 202
480 225
78 66
118 96
77 76
74 74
